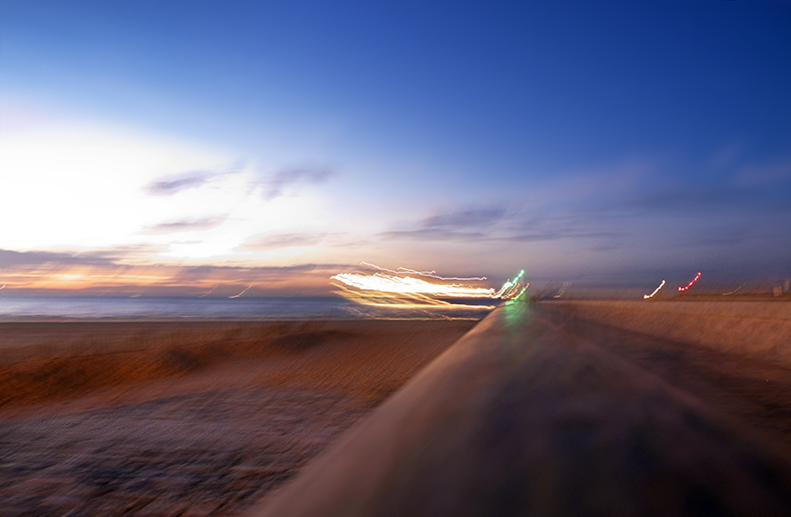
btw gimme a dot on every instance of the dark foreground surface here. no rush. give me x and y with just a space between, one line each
209 418
187 418
525 416
752 392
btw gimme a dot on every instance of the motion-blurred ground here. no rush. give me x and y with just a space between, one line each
206 418
186 418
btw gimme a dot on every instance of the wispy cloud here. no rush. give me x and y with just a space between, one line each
96 257
470 218
186 225
281 240
432 234
11 258
291 178
499 224
462 224
175 183
170 185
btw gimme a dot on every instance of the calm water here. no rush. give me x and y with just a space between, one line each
253 308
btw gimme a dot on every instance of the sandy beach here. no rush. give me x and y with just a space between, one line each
188 417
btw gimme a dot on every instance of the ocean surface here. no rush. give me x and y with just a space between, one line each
15 308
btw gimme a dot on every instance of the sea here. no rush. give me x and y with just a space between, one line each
145 308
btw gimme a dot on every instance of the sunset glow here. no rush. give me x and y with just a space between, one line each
176 150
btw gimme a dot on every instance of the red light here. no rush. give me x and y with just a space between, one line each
690 284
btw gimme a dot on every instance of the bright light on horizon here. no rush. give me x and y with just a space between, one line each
391 290
686 287
647 296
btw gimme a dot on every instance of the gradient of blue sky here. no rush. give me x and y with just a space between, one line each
603 140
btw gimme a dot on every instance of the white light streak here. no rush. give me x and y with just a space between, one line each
242 293
211 291
394 284
390 288
647 296
735 290
562 289
430 274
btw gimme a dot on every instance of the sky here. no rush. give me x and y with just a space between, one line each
195 147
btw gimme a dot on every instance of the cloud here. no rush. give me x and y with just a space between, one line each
432 234
498 224
11 258
279 241
98 257
471 218
292 177
561 234
47 273
170 185
173 184
463 224
186 225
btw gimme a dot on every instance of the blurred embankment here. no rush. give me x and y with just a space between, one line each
523 417
758 329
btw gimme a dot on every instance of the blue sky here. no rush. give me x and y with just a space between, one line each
601 142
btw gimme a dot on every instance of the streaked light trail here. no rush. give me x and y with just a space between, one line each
242 293
390 288
395 284
682 289
431 274
512 289
204 295
647 296
735 290
562 289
